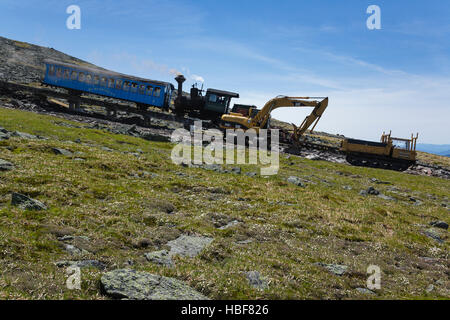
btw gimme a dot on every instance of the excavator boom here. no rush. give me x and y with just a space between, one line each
260 120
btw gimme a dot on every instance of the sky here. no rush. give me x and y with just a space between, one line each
394 78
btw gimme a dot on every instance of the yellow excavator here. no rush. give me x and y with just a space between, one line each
249 117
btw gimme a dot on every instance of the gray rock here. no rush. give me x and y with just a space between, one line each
255 280
81 264
23 135
251 174
236 170
337 269
162 257
149 174
70 238
26 203
364 291
184 245
375 180
188 246
439 224
66 238
155 137
346 187
373 191
295 180
4 136
74 250
213 167
244 241
315 157
138 285
107 149
229 225
63 152
433 235
385 197
5 165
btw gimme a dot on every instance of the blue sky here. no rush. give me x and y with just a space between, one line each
396 78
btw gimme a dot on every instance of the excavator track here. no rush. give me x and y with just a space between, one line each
378 162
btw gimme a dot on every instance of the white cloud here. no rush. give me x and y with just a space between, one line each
197 78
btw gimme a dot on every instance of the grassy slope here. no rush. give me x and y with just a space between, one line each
291 227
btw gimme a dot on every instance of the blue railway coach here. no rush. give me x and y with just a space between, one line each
143 92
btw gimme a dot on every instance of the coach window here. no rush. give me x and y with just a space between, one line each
96 79
66 74
81 77
59 72
149 90
118 84
103 82
110 83
51 70
142 89
134 87
126 86
88 78
74 75
157 92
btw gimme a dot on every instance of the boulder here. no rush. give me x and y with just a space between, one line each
6 165
63 152
439 224
162 257
188 246
364 291
295 180
26 203
4 136
251 174
430 233
23 135
337 269
138 285
256 281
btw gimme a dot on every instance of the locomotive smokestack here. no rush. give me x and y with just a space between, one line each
180 79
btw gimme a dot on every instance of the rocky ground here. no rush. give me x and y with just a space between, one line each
105 197
77 194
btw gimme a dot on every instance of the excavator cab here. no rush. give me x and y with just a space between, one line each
404 149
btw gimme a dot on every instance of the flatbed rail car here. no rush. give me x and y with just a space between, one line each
390 153
80 79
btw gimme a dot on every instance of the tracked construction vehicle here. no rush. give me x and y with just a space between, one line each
390 153
248 117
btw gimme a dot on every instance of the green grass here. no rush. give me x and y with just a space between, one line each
109 198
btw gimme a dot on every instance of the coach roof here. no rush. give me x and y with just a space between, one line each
105 72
